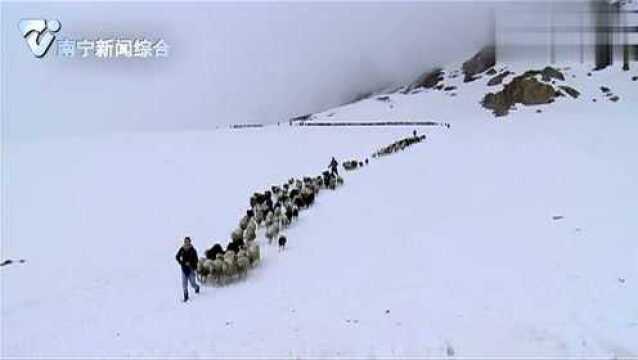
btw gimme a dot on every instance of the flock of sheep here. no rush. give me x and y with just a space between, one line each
399 145
274 210
354 164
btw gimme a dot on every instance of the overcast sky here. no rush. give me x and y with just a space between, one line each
228 62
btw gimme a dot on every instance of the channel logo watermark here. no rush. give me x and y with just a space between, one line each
41 36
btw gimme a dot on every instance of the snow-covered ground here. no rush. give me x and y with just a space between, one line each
447 249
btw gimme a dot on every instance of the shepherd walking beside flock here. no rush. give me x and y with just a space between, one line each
274 210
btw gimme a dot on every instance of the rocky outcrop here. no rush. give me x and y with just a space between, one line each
481 62
427 80
534 87
523 89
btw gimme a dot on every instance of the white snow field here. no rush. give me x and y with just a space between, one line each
448 249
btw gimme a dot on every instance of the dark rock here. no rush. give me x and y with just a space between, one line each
538 111
449 88
614 98
428 80
6 262
439 87
559 93
470 78
383 98
498 79
491 72
557 217
589 74
605 89
571 91
634 78
550 73
481 62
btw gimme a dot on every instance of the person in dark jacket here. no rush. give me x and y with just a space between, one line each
334 166
187 259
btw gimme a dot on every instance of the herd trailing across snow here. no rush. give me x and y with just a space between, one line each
273 211
399 145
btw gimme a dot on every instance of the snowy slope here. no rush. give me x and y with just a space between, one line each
448 248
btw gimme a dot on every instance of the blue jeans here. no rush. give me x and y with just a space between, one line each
186 278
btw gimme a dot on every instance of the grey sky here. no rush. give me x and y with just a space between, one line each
229 62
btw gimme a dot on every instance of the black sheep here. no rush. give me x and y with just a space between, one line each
282 242
232 246
212 252
299 202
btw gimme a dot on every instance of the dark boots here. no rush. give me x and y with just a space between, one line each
185 296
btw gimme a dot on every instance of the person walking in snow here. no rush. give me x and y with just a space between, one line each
334 166
187 259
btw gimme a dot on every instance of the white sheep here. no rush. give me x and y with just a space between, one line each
244 222
253 252
218 268
249 235
229 267
243 262
272 231
202 271
237 235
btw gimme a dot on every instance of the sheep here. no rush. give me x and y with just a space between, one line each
234 246
249 235
259 217
229 266
284 220
282 242
332 183
202 271
244 222
350 164
288 212
308 196
252 226
299 201
217 270
271 232
253 253
213 251
269 219
237 235
243 262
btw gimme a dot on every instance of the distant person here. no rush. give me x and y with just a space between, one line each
414 133
187 259
334 166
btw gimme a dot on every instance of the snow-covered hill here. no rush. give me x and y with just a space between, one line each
501 237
